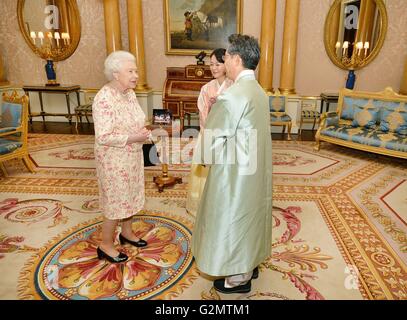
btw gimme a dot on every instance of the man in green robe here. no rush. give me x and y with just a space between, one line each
232 233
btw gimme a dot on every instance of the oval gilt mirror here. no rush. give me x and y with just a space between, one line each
51 28
354 32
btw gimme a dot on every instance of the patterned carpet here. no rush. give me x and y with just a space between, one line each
339 229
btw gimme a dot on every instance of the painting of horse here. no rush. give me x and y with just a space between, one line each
193 26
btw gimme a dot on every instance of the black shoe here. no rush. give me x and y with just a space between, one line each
140 243
219 285
103 255
255 274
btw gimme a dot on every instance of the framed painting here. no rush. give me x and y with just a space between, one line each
192 26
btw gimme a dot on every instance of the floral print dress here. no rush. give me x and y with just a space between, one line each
119 167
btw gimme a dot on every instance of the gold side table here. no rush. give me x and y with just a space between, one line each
164 180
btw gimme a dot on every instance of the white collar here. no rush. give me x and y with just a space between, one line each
245 72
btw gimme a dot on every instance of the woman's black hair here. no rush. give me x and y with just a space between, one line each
219 54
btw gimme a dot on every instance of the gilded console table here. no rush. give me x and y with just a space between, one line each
62 89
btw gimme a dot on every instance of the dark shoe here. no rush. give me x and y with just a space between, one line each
219 285
103 255
255 273
140 243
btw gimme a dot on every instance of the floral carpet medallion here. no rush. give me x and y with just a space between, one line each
68 267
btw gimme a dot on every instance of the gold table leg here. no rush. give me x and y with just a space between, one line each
165 180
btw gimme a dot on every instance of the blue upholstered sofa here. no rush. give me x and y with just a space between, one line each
374 122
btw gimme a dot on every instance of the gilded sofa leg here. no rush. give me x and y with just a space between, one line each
317 140
317 144
3 169
29 165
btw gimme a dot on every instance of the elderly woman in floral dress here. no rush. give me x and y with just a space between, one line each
119 136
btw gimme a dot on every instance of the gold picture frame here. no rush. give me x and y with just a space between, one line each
202 26
71 21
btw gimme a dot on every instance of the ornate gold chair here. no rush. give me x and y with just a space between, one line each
14 130
309 112
85 110
278 115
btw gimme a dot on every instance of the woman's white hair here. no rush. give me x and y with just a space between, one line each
114 62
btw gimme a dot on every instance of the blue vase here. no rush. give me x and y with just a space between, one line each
350 82
49 69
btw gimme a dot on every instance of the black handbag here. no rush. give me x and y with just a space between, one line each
150 155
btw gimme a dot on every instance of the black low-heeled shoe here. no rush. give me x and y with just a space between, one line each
103 255
140 243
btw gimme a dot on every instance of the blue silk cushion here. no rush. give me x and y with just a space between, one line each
394 119
8 146
348 107
279 117
365 116
11 115
277 103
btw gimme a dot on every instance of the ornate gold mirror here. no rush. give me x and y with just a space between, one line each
51 28
354 32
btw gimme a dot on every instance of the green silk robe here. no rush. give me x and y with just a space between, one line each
232 232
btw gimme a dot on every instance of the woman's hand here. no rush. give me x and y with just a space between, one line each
140 136
213 100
